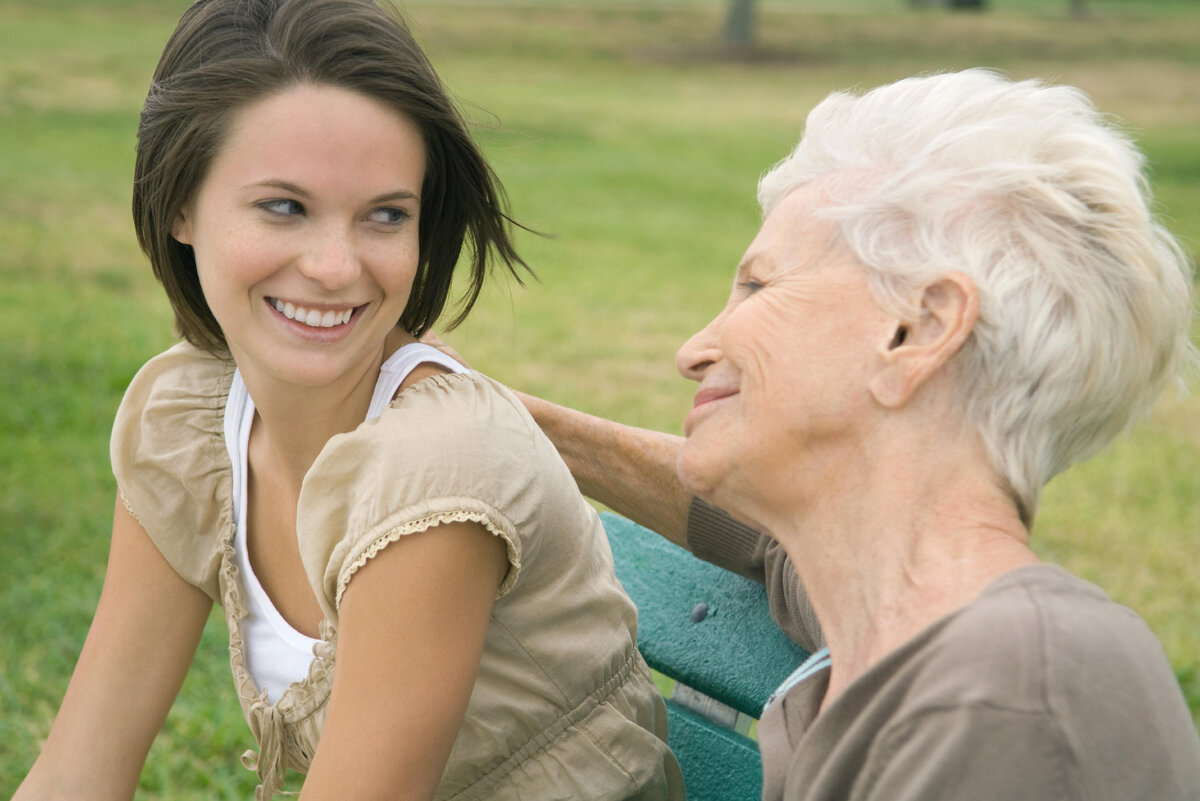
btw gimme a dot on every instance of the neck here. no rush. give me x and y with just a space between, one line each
893 539
293 423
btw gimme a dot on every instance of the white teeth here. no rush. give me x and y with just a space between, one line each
312 317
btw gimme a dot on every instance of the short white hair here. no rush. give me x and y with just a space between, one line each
1085 299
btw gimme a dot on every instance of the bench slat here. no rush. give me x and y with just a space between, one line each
718 764
736 654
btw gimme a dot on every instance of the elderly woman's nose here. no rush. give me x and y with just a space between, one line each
699 353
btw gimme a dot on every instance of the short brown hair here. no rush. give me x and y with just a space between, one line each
225 54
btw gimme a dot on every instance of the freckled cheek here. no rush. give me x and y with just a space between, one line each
393 271
244 258
394 253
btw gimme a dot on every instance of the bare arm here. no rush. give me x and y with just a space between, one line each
137 653
412 626
631 470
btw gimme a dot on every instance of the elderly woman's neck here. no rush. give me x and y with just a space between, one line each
888 553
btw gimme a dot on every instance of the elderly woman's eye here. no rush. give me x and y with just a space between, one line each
750 286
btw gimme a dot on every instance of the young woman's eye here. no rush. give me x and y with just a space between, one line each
389 216
282 207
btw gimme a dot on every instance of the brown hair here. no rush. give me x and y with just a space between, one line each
225 54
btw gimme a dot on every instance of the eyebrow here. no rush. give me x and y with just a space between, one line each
402 194
287 186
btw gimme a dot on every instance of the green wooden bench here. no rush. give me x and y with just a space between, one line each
729 652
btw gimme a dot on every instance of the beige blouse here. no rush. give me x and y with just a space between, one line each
563 706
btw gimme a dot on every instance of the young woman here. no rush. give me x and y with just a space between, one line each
420 604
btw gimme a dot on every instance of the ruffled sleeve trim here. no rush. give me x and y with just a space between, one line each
489 520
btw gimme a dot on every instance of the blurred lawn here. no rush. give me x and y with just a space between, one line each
631 139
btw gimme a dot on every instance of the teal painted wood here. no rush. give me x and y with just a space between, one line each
736 654
718 764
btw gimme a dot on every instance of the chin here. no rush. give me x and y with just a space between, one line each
696 467
310 375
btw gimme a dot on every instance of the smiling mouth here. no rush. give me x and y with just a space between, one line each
313 318
706 396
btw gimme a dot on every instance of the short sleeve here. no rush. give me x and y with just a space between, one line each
169 459
451 448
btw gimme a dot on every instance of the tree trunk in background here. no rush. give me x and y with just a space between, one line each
739 23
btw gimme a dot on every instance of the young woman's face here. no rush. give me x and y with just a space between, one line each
305 232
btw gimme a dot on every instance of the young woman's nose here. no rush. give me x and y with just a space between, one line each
701 351
332 259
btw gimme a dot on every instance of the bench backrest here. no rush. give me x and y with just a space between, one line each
729 651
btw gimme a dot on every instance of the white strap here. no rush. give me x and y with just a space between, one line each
397 368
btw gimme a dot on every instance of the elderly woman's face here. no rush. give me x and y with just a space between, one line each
783 369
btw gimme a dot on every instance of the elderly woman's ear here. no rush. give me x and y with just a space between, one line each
917 349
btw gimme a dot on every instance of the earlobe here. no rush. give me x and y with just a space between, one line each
949 308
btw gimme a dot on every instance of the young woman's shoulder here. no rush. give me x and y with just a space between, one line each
169 458
463 431
458 406
182 370
450 447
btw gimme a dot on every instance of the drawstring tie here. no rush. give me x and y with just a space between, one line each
267 723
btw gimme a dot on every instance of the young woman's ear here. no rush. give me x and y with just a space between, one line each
181 228
949 308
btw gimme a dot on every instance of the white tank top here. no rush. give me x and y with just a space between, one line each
276 654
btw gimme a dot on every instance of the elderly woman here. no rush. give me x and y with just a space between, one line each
958 291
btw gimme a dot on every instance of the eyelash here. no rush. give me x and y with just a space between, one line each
272 206
395 216
751 286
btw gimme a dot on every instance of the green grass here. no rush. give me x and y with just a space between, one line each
630 139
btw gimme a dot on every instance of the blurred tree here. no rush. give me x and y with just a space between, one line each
739 24
970 5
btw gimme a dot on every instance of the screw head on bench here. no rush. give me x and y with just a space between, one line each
699 612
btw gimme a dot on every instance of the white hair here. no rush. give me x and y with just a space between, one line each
1085 300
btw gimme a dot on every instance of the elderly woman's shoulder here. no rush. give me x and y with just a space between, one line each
1042 618
1044 674
1041 641
1054 612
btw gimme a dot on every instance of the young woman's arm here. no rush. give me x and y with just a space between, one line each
412 624
138 650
